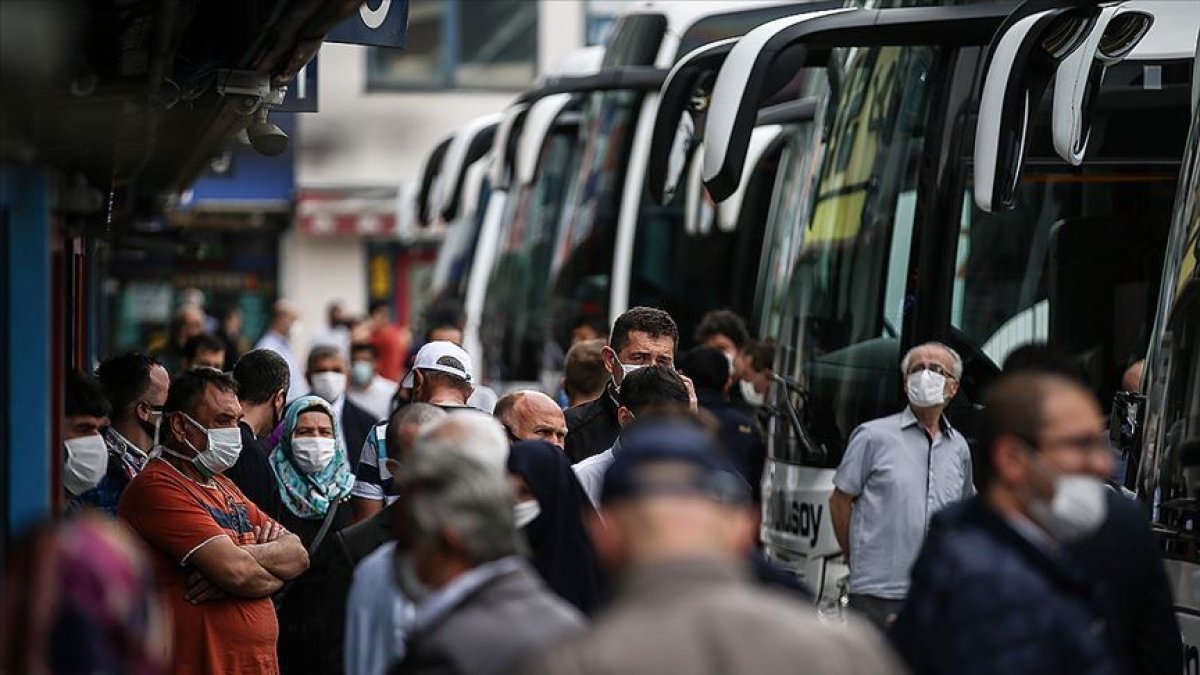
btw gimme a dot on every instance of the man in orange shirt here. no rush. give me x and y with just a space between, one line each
390 342
218 558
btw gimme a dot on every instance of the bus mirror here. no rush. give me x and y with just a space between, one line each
1022 58
1113 36
1125 424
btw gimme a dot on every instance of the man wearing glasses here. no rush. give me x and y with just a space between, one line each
896 473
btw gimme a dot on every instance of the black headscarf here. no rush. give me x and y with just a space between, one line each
562 549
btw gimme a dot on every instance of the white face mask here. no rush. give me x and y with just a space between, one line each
406 578
526 512
87 461
329 385
1077 510
313 453
926 389
625 371
222 449
750 394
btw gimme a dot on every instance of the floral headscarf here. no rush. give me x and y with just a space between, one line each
310 495
80 598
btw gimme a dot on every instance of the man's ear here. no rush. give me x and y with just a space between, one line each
177 427
624 416
609 356
605 534
1010 460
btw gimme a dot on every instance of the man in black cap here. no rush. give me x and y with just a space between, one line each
676 524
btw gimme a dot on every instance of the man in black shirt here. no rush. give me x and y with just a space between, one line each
641 337
263 379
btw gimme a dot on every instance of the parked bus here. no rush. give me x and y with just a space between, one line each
1161 427
886 249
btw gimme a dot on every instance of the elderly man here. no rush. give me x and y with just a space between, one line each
995 589
327 379
897 472
640 337
529 415
136 387
674 524
478 606
218 558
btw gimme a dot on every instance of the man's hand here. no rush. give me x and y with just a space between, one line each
693 402
200 589
268 533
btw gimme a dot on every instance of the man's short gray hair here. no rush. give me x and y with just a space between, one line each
956 369
475 433
456 490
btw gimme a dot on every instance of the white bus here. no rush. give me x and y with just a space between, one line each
876 245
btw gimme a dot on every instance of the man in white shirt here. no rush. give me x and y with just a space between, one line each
278 339
368 389
643 390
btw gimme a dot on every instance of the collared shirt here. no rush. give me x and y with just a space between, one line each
590 472
125 460
278 344
444 600
378 616
901 477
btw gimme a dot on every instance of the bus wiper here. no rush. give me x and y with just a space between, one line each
813 451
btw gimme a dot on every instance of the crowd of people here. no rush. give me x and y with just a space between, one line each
378 511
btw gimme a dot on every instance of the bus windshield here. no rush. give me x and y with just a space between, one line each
837 315
514 329
581 266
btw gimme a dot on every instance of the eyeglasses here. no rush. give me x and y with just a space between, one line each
933 368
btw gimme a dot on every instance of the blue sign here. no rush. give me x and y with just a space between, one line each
244 178
301 91
378 23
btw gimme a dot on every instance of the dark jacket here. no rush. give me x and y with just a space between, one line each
312 613
985 600
592 427
1123 559
504 622
740 436
356 427
253 475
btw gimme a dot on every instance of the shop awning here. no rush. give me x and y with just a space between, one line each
362 212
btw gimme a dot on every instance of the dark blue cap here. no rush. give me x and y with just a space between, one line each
703 468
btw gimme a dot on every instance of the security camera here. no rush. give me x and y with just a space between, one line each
266 138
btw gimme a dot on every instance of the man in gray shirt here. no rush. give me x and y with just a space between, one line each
897 472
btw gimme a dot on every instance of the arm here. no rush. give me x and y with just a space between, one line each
279 552
232 569
363 508
840 505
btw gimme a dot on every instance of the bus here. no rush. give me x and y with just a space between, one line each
1161 427
614 247
879 246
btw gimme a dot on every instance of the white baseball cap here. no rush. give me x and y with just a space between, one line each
444 356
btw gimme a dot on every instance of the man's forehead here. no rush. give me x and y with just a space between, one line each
932 353
643 341
1066 407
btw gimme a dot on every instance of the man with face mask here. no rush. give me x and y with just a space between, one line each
327 378
896 473
368 389
262 379
642 336
85 414
218 558
478 605
135 385
995 588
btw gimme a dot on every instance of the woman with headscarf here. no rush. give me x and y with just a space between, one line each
550 510
314 481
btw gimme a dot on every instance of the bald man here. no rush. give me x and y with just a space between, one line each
529 415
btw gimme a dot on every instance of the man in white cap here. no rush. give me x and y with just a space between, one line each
441 376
